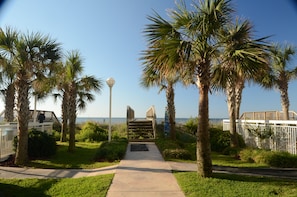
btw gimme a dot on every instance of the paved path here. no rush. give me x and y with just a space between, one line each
144 174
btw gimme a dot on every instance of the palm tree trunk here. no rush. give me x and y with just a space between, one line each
204 162
238 96
171 109
64 128
23 113
9 103
72 118
230 90
285 101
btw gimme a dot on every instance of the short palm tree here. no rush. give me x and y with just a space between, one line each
8 72
33 56
77 91
158 60
282 73
242 58
63 94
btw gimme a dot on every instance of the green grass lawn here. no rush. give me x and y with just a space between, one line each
82 187
231 161
82 158
228 185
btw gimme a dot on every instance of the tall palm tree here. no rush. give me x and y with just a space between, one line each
78 91
282 73
200 28
242 58
158 59
34 56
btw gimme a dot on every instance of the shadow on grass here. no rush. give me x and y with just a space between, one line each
82 156
247 178
38 188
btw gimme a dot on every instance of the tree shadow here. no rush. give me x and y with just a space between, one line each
38 188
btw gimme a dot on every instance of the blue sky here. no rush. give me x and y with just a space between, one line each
108 33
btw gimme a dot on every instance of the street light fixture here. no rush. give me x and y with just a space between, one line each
110 82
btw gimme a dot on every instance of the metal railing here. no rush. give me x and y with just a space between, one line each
9 131
277 135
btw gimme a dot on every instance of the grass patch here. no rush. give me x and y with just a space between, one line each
231 161
87 186
229 185
82 158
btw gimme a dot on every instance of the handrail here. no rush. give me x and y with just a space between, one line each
267 115
151 115
130 114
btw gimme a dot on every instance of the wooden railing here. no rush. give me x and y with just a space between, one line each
144 127
151 115
267 115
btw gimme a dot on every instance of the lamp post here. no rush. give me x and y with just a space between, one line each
110 82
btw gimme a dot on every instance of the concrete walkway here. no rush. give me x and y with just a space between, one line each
145 174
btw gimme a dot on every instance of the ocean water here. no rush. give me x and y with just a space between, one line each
123 120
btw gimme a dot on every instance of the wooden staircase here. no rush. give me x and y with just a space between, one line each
141 129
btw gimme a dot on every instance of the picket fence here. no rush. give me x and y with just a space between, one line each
277 135
9 131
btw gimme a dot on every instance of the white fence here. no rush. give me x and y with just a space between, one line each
9 131
277 135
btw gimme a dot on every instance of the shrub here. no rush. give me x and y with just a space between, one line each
112 151
177 154
40 144
271 158
283 160
220 141
119 131
247 155
91 132
191 126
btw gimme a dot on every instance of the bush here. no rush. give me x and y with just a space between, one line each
91 132
283 160
270 158
40 144
112 151
177 154
220 141
191 126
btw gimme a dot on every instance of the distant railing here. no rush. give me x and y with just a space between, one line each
9 131
130 114
277 135
267 115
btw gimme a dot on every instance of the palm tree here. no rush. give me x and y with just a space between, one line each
158 60
7 39
242 58
200 28
63 93
281 74
77 91
33 56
